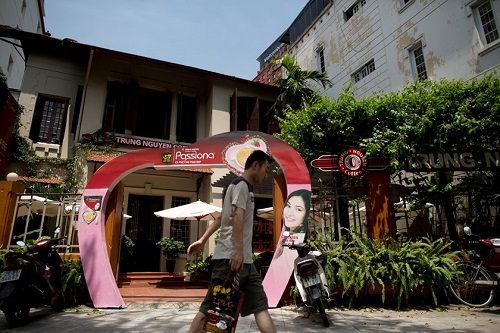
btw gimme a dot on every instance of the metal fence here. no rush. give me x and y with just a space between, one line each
39 214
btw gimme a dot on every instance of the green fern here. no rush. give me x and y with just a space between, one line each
73 282
357 263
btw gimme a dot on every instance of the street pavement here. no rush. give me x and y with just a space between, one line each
176 317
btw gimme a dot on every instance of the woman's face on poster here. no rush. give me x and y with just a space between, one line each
294 212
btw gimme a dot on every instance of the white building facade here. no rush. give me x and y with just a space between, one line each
382 45
25 15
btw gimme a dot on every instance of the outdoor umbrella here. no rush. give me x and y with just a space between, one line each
35 204
194 211
266 213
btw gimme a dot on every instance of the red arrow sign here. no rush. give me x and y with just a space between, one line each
326 163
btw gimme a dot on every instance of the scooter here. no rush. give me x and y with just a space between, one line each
310 278
31 279
479 274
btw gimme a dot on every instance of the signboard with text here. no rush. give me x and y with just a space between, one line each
454 161
351 162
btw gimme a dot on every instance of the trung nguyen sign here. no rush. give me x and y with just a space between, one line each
454 161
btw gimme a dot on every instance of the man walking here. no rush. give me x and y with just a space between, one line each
234 245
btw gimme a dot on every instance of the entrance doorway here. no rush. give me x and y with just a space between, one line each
142 231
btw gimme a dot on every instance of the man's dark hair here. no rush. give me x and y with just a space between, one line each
259 156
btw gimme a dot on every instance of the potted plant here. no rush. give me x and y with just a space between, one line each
127 254
199 268
170 249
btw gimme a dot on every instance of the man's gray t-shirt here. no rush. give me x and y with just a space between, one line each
238 194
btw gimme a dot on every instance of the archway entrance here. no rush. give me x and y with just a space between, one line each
226 150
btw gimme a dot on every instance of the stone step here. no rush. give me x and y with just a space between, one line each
156 279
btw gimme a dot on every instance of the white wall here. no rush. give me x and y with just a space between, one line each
52 76
384 30
29 19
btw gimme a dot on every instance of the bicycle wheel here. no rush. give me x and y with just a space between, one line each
474 286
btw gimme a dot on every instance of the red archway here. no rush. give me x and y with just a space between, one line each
219 151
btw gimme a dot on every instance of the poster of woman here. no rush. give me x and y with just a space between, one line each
296 211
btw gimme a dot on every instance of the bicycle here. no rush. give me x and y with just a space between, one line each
479 275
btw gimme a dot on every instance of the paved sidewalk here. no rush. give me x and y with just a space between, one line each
176 317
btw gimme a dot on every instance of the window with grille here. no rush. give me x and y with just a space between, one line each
48 120
249 114
320 55
419 63
179 229
354 9
487 21
10 65
364 71
137 110
23 8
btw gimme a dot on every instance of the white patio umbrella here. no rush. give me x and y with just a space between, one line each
36 204
266 213
194 211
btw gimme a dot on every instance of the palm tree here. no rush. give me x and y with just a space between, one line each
297 92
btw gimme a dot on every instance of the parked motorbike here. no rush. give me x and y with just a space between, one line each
310 278
31 279
480 274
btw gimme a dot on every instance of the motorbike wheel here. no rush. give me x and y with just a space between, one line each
17 314
474 286
321 309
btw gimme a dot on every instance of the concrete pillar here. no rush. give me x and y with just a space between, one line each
379 213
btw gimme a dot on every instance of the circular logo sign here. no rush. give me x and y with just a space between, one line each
351 162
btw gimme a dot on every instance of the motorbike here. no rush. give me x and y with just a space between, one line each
31 279
310 278
480 273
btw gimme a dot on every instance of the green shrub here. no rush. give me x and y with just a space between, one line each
2 260
128 245
360 263
199 265
3 252
73 283
171 248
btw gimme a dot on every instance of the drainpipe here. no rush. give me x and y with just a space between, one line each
198 186
84 97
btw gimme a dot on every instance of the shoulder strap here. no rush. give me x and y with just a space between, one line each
240 179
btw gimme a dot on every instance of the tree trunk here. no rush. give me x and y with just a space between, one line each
447 203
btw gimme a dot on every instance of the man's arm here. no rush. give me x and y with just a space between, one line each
197 246
236 260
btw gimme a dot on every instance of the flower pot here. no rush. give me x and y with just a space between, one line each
170 265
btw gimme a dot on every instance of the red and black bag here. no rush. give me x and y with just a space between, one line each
224 310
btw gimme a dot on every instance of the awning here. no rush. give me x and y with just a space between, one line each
264 188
